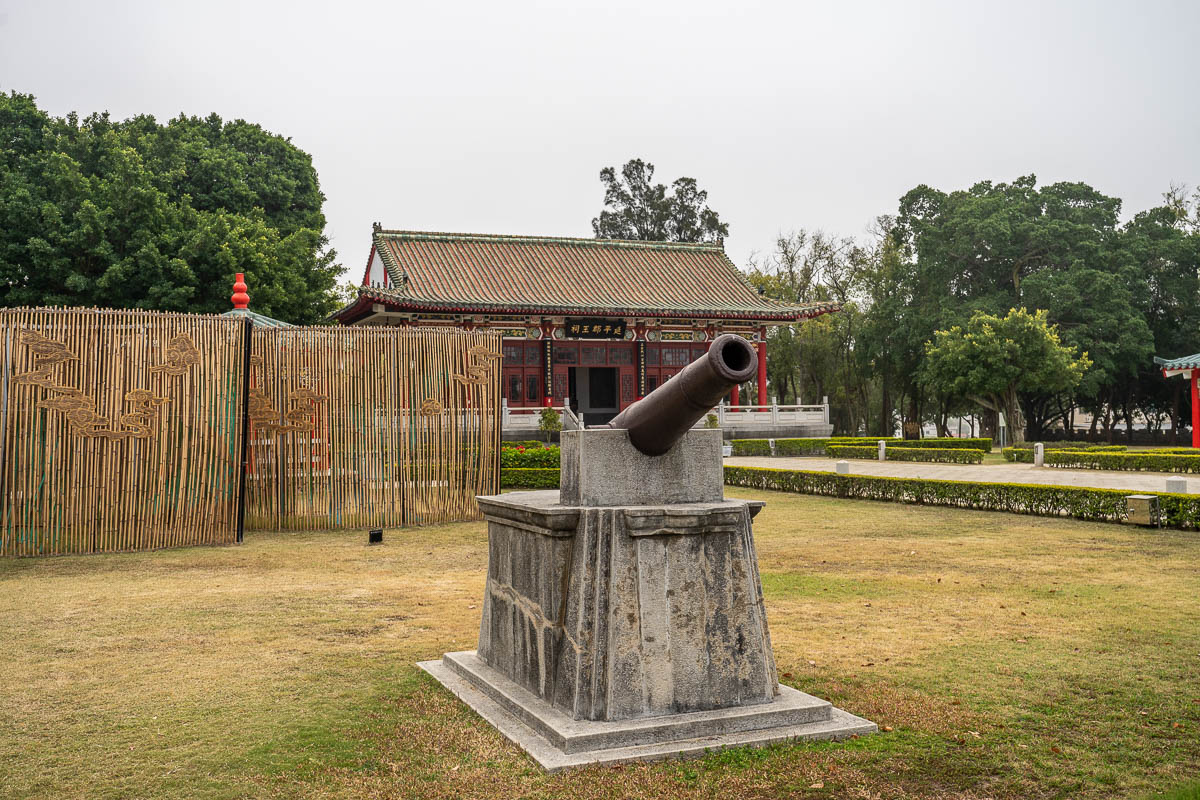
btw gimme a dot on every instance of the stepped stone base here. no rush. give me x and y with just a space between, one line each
556 741
623 617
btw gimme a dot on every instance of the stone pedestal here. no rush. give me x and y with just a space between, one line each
620 631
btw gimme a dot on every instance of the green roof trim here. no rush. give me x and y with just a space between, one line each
1183 362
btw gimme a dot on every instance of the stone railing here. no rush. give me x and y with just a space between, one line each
750 416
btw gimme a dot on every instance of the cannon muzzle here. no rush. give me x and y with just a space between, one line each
660 418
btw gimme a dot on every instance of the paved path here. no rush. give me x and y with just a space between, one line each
993 473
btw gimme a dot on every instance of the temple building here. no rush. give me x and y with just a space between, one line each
600 321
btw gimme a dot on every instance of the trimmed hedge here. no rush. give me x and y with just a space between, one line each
534 458
1152 462
751 447
800 447
981 443
1098 505
928 454
528 444
1024 455
529 478
819 446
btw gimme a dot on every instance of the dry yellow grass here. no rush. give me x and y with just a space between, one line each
1011 656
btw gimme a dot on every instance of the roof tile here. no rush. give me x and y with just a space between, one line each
562 275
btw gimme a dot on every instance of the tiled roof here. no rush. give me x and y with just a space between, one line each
258 320
1183 362
486 273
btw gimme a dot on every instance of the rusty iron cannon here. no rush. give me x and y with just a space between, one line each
660 418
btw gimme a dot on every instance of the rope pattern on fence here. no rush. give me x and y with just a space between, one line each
119 430
371 427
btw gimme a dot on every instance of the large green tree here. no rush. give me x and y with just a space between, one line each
635 207
996 246
993 359
136 214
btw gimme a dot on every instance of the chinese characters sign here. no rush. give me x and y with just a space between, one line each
591 328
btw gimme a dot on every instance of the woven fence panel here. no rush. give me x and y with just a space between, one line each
371 427
119 430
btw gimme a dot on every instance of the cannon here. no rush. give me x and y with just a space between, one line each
660 418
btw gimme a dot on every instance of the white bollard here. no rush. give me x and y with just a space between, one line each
1039 455
882 450
1177 485
842 467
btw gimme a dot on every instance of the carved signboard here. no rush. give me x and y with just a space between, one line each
591 328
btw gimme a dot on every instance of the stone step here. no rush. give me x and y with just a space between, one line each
543 732
570 735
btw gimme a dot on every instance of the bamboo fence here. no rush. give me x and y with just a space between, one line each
371 427
119 430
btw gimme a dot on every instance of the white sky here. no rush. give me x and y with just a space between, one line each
497 117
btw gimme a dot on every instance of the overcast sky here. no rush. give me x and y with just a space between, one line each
497 117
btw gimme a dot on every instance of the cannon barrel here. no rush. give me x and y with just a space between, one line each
662 417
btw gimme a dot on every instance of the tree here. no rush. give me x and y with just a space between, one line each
638 208
817 358
995 358
135 214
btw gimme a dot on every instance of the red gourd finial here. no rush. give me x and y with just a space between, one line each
240 298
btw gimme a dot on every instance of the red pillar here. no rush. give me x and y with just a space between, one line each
1196 408
762 370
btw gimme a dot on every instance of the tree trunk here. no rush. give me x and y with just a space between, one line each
1012 412
1128 420
885 412
912 424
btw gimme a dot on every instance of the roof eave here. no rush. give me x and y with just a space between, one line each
785 315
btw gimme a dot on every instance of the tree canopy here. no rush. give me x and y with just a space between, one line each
993 358
637 208
1121 292
137 214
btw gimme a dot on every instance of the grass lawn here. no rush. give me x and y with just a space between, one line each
1007 656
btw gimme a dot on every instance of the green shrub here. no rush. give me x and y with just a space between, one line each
1024 453
897 453
526 443
949 443
1152 462
751 447
1110 448
1101 505
800 447
549 422
819 446
529 478
532 458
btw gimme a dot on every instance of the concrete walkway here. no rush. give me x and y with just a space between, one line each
990 473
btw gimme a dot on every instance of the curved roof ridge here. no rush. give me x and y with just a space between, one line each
535 239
